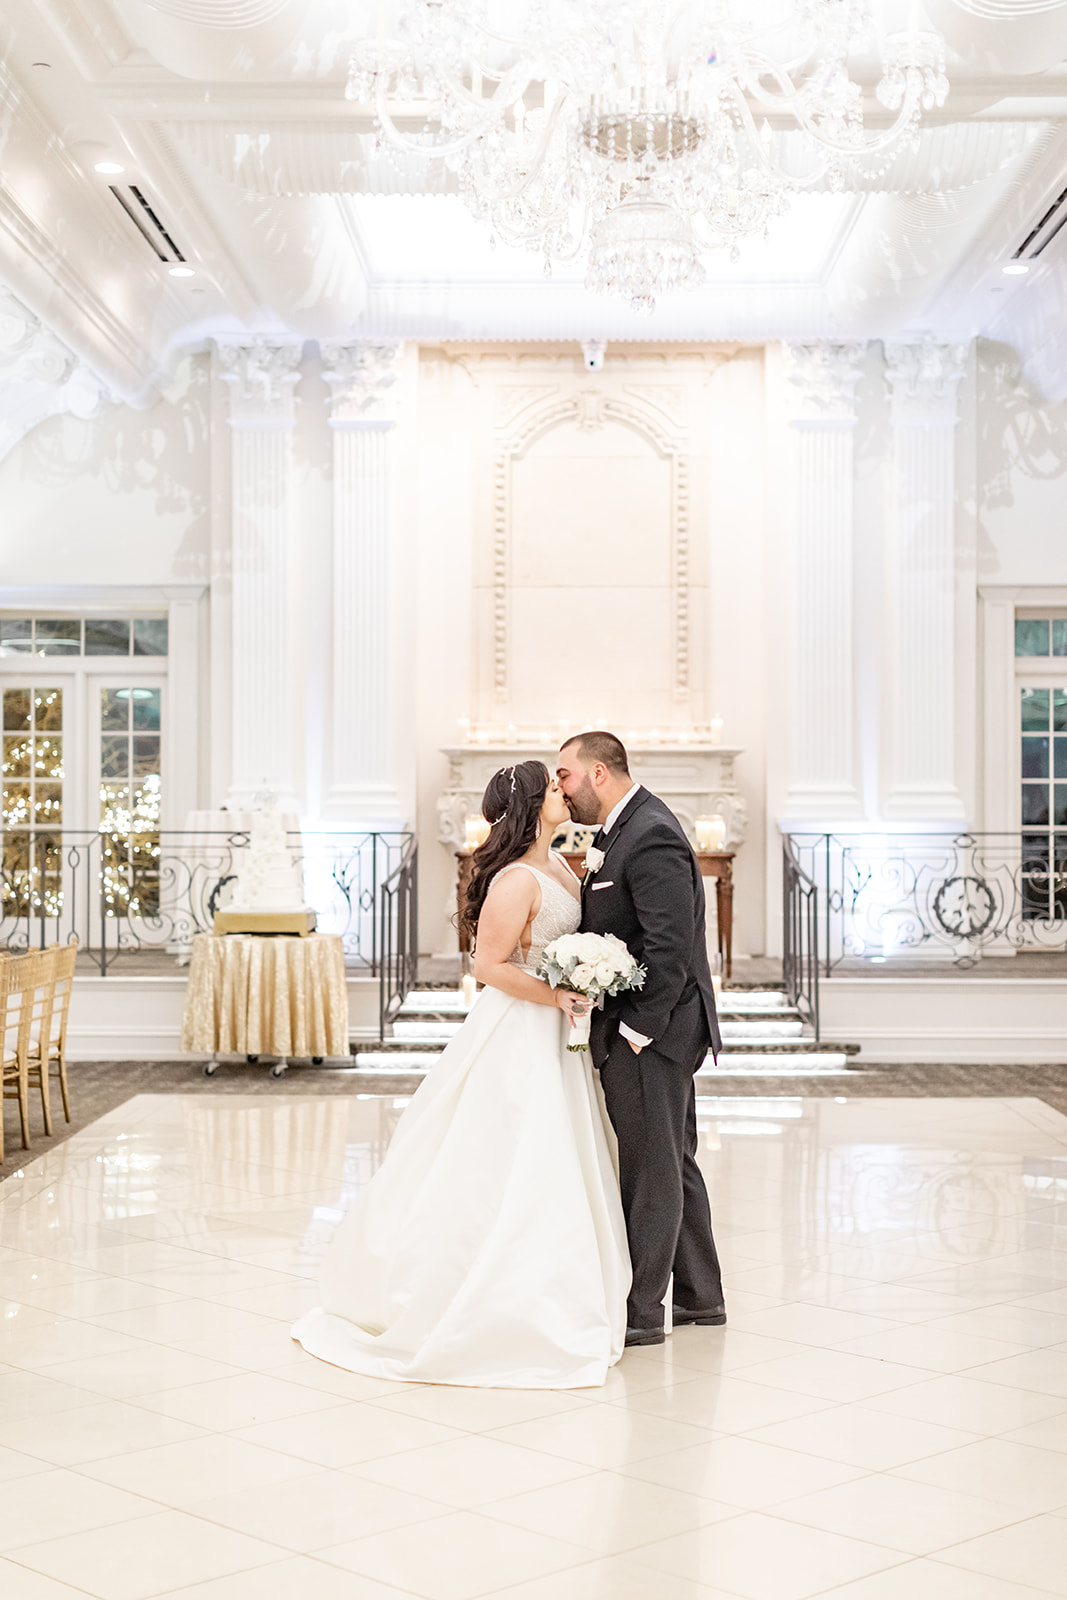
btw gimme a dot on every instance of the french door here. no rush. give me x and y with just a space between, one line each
83 797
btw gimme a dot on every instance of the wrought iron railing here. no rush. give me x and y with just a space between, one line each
957 896
157 892
398 956
800 936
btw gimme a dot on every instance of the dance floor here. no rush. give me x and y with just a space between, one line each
885 1418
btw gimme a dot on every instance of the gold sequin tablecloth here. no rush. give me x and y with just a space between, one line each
254 994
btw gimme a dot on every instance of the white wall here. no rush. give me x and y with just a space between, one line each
1021 489
591 550
142 499
121 498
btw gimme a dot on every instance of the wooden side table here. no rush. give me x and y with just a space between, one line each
718 864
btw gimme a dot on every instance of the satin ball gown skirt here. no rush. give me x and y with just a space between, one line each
490 1248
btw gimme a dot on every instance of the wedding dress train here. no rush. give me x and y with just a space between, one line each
489 1249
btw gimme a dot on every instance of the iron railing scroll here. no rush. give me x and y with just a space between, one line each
953 897
398 956
152 902
800 936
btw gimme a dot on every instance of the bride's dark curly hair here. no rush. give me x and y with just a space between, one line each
512 804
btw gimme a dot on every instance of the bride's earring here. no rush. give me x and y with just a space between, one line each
537 835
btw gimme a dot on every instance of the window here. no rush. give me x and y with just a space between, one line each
32 801
83 636
1040 636
130 799
1043 725
84 708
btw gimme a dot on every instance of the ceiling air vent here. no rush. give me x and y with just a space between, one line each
1045 230
146 221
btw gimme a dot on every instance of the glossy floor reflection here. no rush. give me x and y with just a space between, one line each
884 1419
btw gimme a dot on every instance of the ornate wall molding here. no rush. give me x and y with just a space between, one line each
262 373
362 376
589 410
923 378
39 376
821 382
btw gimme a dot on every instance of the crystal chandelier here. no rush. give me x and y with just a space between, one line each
641 134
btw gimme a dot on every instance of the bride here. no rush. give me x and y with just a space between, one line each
489 1249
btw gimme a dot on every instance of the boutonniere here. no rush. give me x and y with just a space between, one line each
594 860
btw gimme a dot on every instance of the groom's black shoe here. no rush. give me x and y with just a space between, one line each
713 1318
645 1336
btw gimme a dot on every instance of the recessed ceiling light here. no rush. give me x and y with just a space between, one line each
110 167
182 272
1015 268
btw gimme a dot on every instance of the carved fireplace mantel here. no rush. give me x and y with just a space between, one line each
694 779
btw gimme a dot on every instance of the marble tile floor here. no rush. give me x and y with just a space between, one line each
885 1417
98 1087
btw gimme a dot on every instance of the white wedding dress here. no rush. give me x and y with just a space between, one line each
489 1249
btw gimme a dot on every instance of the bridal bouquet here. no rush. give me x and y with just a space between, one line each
593 964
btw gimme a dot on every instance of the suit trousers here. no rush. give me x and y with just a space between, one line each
651 1101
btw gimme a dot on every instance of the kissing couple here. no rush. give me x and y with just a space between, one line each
535 1202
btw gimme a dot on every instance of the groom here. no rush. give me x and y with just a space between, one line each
649 1042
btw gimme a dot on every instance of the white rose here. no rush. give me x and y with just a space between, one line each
583 975
605 971
590 946
594 859
563 949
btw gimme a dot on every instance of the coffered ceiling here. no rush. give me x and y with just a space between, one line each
242 156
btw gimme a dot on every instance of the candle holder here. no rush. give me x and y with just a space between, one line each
711 833
476 832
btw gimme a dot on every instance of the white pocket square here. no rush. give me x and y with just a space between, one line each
609 885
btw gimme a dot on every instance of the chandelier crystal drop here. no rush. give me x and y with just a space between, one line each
642 134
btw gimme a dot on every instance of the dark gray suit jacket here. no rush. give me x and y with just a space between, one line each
650 894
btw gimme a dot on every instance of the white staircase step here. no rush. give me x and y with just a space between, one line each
429 1032
826 1063
761 1030
445 1002
829 1063
754 1000
397 1063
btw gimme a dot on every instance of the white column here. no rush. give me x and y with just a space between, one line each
923 378
821 406
363 785
262 374
182 721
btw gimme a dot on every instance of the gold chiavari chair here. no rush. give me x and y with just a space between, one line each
64 957
27 984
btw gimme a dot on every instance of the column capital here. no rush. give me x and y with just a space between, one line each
362 375
262 371
821 383
922 377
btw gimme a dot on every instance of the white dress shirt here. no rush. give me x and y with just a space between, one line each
605 828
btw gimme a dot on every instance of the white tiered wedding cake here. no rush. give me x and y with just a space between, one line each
269 897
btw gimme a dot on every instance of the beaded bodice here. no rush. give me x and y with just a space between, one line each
559 913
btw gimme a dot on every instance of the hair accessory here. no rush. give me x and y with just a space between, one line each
503 774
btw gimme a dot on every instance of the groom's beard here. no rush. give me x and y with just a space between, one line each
584 805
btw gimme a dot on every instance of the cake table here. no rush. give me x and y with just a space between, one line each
266 995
